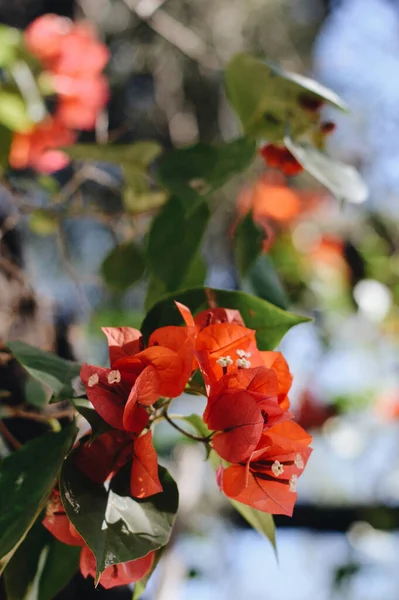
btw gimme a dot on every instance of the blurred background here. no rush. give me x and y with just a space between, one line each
337 264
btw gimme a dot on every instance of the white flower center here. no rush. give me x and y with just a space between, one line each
243 363
292 482
299 461
93 380
224 361
243 354
114 377
277 468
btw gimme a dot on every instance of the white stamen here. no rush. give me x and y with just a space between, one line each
299 461
243 354
293 481
224 361
114 377
93 380
243 363
277 468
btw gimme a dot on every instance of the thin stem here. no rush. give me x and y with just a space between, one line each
6 433
183 431
16 413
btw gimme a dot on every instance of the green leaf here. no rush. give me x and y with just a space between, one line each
97 424
35 393
247 243
342 180
204 167
261 521
61 564
263 281
114 317
48 565
5 145
174 240
269 321
123 266
116 526
13 112
140 153
266 97
26 479
196 421
42 222
51 370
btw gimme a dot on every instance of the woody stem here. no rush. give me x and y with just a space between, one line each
196 438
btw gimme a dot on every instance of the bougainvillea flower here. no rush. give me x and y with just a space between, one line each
144 479
262 384
238 420
225 348
102 458
276 361
267 481
37 148
119 574
109 394
57 522
81 54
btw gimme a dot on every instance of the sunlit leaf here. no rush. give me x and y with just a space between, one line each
13 112
261 521
269 321
341 179
51 370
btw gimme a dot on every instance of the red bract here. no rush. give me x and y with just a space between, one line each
119 574
241 406
213 316
277 362
144 479
57 522
102 458
268 481
225 348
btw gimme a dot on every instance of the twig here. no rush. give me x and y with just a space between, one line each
8 436
183 431
174 32
39 417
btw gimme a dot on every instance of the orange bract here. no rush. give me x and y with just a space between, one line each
119 574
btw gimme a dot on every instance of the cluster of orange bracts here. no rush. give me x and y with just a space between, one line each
73 60
263 451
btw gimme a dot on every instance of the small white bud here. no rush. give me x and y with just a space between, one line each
299 461
93 380
114 377
243 363
277 468
293 481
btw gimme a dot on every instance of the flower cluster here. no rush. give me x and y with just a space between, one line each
72 60
262 450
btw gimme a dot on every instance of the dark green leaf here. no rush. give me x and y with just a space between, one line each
97 424
5 145
123 266
269 321
47 564
116 526
51 370
342 180
247 243
261 521
204 167
174 240
263 281
61 564
266 98
26 479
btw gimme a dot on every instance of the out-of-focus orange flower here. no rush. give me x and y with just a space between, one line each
281 158
73 60
387 406
329 250
312 413
37 148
